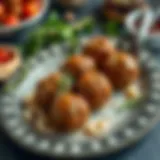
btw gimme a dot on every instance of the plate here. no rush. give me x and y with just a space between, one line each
132 124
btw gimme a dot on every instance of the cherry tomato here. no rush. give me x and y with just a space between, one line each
11 20
1 9
30 9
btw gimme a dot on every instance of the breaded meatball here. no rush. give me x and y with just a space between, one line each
69 112
46 91
79 64
95 87
99 48
122 70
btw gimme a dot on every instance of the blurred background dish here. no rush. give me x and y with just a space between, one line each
10 61
72 3
145 26
117 10
18 18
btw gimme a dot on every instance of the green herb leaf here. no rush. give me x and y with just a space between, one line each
65 83
52 19
55 30
112 28
133 103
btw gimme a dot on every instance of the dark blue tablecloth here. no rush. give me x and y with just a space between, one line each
146 149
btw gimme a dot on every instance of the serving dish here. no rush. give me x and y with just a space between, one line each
133 124
10 30
10 61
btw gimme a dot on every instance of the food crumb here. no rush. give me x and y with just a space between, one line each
29 101
41 125
27 114
96 129
132 91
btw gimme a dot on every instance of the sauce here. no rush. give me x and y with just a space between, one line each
10 61
5 55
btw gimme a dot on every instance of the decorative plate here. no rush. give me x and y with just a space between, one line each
129 125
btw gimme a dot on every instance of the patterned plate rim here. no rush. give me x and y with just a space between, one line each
104 146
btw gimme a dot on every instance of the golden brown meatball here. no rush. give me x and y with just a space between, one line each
46 91
69 112
79 64
122 70
95 87
99 48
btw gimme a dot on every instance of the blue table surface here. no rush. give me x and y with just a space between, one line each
146 149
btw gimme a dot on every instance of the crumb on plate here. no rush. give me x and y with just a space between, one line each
132 91
96 128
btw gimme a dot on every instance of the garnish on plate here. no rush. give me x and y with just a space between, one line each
96 128
118 9
132 91
56 30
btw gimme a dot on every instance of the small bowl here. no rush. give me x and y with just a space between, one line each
147 22
131 27
8 32
153 39
8 69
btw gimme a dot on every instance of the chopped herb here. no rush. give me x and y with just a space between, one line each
65 83
133 103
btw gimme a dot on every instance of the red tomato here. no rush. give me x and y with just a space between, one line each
11 20
30 9
5 55
1 9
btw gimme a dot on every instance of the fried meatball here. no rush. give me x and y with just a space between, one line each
79 64
46 91
122 70
95 87
69 112
99 48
